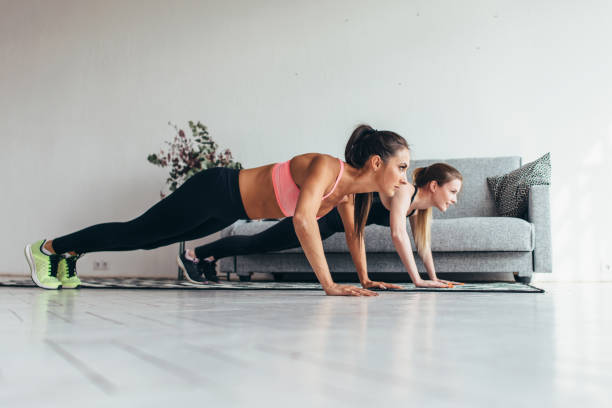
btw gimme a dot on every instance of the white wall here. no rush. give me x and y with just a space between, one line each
87 87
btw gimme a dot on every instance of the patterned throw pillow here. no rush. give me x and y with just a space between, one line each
511 191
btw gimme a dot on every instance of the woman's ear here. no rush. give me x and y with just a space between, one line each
376 162
433 186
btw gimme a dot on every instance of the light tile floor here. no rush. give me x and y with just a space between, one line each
149 348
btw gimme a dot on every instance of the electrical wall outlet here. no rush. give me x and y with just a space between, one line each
100 266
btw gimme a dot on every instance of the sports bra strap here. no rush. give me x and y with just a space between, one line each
412 199
337 180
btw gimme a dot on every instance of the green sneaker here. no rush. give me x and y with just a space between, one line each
42 266
66 272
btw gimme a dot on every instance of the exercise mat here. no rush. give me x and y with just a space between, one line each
141 283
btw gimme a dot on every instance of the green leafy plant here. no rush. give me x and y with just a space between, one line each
188 155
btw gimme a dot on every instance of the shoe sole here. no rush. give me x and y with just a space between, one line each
185 274
30 258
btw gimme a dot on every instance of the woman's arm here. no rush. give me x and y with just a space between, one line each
426 256
356 246
399 208
320 174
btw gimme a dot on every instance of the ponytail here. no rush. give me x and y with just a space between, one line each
364 143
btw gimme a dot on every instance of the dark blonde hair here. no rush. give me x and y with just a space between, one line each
364 143
442 173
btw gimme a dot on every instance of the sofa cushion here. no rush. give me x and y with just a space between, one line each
511 190
448 235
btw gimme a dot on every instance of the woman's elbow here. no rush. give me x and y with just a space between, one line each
301 222
399 237
350 234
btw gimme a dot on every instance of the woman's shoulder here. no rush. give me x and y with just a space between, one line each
318 165
404 197
404 192
409 188
305 160
312 156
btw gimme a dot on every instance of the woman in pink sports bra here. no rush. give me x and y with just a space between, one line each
307 187
310 185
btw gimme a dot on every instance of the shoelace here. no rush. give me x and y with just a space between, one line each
53 263
71 262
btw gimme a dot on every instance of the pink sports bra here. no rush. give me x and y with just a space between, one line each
287 192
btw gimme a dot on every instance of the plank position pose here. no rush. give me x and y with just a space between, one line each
434 186
306 187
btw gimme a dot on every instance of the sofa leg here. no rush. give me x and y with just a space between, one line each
245 278
522 279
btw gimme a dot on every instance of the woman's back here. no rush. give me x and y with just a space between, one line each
257 187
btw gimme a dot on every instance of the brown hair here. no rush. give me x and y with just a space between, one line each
442 173
364 143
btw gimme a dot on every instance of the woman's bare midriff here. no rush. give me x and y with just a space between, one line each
257 193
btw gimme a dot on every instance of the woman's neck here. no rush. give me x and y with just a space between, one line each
357 181
422 200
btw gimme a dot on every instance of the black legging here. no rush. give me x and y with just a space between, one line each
282 235
206 203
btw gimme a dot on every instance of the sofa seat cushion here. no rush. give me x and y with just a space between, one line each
467 234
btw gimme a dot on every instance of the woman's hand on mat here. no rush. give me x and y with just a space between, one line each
347 290
449 282
432 284
379 285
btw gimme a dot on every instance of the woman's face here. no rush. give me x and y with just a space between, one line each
392 173
446 194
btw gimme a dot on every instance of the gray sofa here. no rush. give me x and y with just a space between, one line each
468 238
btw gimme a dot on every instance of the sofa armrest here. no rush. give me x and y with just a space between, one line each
539 214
